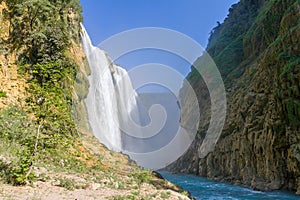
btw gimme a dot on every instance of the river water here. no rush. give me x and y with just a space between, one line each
202 188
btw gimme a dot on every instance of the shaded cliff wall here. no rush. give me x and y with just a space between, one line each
257 50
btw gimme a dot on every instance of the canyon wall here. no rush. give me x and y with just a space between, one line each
257 50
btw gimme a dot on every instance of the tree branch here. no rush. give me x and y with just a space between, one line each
35 149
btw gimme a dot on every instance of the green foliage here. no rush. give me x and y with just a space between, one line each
29 18
41 26
234 51
15 125
40 30
52 107
126 197
293 113
165 195
259 38
226 42
3 94
69 184
141 176
18 137
18 131
239 20
17 174
40 35
290 66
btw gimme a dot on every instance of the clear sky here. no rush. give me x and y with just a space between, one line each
195 18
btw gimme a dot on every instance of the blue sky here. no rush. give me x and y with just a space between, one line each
195 18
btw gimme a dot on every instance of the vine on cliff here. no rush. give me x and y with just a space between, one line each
40 35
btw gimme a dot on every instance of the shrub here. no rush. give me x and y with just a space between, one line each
3 94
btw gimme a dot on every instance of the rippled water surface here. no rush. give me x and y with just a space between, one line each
202 188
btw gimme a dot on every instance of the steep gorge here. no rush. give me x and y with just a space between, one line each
45 143
257 50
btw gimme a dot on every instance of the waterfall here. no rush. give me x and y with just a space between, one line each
112 103
119 117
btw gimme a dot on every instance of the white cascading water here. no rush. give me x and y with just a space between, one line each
111 101
119 117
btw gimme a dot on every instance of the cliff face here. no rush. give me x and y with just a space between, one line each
257 50
12 87
44 134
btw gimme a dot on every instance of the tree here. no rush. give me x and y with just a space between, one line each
28 21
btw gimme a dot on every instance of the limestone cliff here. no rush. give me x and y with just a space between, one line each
257 51
45 144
